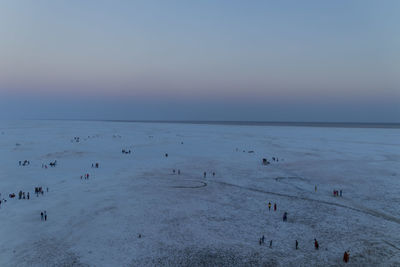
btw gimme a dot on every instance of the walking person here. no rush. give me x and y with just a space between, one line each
269 206
297 245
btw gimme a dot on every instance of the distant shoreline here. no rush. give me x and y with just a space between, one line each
263 123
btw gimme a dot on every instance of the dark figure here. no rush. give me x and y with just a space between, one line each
269 206
19 163
47 189
316 245
285 216
259 241
262 239
92 165
97 165
41 215
205 174
270 244
179 172
23 195
340 192
28 195
213 173
45 216
166 155
297 244
346 256
173 171
265 161
19 194
274 206
140 236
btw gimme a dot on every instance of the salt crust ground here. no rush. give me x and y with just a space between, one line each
191 221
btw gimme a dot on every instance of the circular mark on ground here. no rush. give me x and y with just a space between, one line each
189 184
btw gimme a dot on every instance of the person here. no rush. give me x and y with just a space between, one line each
262 239
340 192
213 173
315 188
47 189
45 216
270 244
41 215
205 174
274 206
316 245
297 244
346 256
173 171
285 216
28 195
269 206
259 241
179 172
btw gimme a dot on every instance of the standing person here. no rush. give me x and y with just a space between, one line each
274 206
346 256
297 244
205 174
340 192
315 188
262 239
28 195
269 206
45 215
179 172
316 245
270 244
41 215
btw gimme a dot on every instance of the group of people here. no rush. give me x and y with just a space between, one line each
95 165
337 193
269 206
86 176
125 151
43 215
21 195
39 190
205 174
24 163
179 171
53 164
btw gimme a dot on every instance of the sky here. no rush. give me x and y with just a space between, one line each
325 61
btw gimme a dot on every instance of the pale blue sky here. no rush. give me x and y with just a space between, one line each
223 60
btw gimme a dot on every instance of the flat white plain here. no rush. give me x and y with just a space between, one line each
187 219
